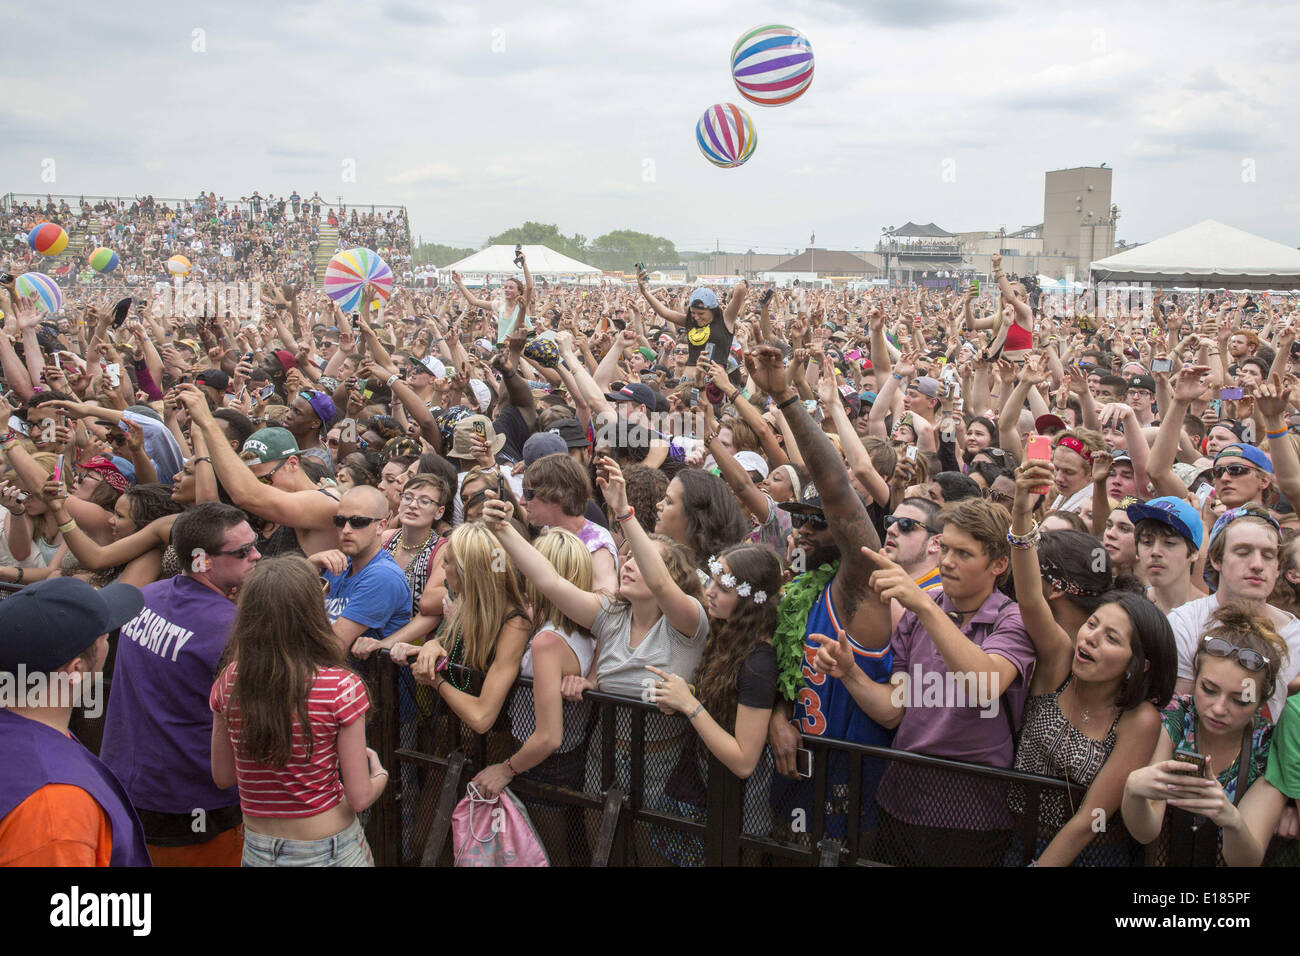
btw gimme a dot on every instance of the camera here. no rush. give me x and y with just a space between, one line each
519 254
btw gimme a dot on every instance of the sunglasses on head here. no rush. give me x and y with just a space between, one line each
905 525
999 496
815 522
1233 471
356 521
1250 660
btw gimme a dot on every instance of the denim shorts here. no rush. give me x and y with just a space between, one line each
347 848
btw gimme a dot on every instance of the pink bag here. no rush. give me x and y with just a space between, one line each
494 832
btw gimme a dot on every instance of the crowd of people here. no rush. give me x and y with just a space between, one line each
955 524
270 238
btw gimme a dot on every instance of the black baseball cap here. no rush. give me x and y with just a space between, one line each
810 501
47 624
574 435
213 378
635 392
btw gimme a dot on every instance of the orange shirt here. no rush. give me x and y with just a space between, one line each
58 825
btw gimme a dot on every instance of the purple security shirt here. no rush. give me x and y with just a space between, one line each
927 797
158 730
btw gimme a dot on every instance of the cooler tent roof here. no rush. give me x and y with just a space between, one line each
500 261
1207 254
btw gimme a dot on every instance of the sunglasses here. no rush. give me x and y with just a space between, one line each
356 521
815 522
529 494
905 525
266 479
1233 471
1218 647
998 496
241 553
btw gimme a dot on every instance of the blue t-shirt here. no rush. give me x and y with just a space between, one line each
376 597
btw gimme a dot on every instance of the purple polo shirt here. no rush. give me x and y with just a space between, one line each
158 730
934 723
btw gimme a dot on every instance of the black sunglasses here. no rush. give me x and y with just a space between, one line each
529 494
906 525
356 521
816 522
241 553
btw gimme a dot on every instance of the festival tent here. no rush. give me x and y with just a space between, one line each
1207 255
500 261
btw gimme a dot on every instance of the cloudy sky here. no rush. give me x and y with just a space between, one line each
480 115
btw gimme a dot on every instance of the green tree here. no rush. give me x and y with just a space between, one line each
542 234
623 248
439 254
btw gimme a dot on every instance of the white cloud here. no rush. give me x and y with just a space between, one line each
428 173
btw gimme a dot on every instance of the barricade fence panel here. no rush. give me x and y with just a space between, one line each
636 788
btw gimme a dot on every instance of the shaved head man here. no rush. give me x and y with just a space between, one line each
368 599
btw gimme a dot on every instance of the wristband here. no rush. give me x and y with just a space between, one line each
782 406
897 376
19 579
1273 436
631 513
204 458
68 526
695 713
391 379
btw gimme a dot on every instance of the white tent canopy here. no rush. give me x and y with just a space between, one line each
500 261
1208 254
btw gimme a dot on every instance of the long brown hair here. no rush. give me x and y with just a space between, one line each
732 641
281 639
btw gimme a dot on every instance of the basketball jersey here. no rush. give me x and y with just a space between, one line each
824 707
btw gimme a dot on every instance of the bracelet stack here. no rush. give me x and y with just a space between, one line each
1024 541
631 513
1274 436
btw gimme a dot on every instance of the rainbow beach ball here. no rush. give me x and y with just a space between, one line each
41 289
48 239
772 65
725 135
103 259
178 266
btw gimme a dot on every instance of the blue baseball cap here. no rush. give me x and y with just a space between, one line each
1175 512
48 623
1248 452
705 297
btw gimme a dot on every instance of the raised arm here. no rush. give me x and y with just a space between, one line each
680 609
472 300
661 310
850 526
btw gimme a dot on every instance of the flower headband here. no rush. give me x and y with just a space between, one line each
1076 446
743 588
1059 582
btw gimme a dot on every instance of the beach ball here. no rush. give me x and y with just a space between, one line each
352 269
41 289
178 266
103 260
48 239
725 135
772 65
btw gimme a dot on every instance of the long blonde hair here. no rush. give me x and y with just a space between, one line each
572 561
490 592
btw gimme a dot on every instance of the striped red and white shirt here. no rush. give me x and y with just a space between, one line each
304 787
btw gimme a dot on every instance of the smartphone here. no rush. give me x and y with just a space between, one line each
803 762
266 392
58 364
707 353
58 469
1203 492
1230 394
1213 406
911 453
975 284
114 372
767 296
248 357
519 252
1192 757
854 356
480 430
695 396
1040 447
1162 365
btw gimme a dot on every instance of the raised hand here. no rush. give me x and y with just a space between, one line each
766 367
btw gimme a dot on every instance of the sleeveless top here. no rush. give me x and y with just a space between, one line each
417 572
1051 746
506 324
523 715
698 337
1018 338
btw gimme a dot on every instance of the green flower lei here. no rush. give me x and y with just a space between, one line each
797 600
